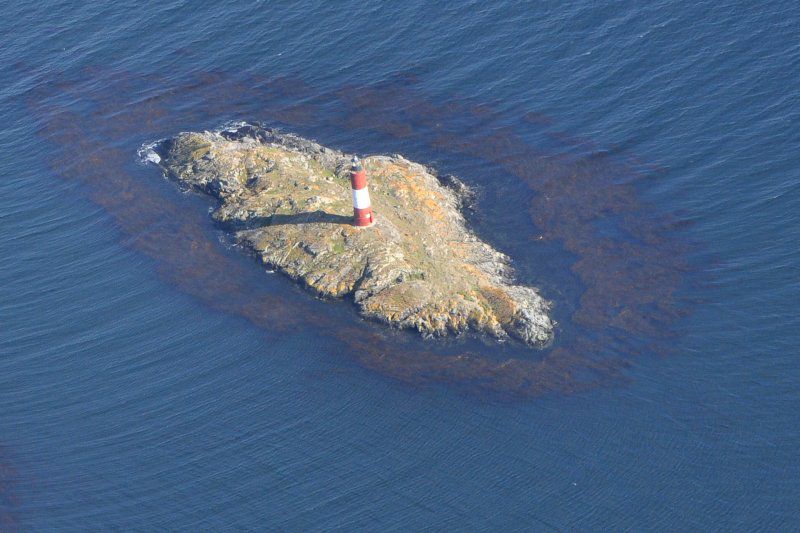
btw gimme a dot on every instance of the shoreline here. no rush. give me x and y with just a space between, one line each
286 199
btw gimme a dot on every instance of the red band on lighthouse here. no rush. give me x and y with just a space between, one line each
362 209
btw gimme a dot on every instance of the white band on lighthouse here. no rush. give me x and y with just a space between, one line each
361 198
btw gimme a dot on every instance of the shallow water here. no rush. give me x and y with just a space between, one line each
636 164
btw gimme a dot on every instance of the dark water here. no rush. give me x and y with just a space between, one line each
637 163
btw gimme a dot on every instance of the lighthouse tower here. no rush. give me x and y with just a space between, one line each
362 209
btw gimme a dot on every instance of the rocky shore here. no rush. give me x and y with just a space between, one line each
288 200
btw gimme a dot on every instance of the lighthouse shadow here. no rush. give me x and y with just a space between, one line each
310 217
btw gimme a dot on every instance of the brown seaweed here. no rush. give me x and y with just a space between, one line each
584 201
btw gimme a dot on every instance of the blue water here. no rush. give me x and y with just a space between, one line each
639 164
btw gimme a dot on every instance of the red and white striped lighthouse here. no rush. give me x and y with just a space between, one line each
362 209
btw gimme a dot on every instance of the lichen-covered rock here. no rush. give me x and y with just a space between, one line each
289 200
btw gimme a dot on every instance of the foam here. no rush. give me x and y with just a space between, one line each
147 152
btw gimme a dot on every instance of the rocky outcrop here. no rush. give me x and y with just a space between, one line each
289 201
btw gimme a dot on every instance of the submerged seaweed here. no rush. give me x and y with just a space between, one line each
615 265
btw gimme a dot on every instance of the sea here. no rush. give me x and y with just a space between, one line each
637 162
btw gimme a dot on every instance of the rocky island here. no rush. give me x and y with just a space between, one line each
288 200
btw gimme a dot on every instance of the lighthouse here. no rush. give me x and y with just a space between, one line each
362 209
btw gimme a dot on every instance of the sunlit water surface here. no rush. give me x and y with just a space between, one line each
637 164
